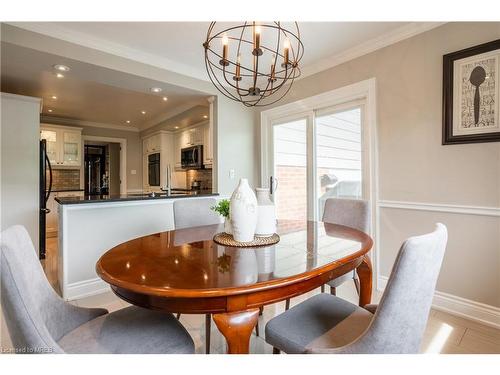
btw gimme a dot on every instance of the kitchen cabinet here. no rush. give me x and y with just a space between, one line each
194 137
177 149
161 142
152 144
64 145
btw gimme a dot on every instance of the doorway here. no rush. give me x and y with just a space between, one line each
102 168
111 176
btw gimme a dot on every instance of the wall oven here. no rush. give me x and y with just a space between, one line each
192 157
154 169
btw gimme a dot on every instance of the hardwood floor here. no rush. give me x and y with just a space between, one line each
445 333
49 264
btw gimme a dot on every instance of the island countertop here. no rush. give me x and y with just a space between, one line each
132 197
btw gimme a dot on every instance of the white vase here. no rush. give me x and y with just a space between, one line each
227 226
266 214
243 211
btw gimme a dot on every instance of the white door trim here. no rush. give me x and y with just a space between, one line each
123 156
364 90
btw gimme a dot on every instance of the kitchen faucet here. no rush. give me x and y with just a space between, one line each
168 181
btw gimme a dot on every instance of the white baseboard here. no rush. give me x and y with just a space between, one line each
85 288
465 308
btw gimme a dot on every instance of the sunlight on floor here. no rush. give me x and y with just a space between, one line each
439 339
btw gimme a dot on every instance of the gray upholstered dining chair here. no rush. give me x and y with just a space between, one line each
327 324
39 321
194 213
354 213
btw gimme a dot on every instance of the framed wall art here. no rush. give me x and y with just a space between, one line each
471 95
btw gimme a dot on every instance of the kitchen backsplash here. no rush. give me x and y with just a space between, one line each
63 179
203 175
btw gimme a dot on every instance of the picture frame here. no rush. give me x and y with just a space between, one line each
471 95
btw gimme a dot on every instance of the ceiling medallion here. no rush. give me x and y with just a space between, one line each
254 63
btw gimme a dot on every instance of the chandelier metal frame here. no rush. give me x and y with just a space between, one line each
228 75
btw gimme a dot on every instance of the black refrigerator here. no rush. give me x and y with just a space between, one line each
45 190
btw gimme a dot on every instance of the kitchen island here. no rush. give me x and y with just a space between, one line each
91 225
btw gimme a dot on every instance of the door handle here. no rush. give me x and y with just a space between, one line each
46 210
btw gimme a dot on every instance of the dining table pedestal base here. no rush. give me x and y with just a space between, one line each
237 328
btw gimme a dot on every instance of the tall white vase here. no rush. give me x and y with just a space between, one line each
266 214
243 211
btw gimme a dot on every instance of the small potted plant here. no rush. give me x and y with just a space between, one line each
222 208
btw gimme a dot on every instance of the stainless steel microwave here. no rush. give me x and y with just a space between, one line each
192 157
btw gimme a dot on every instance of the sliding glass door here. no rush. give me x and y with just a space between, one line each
315 156
290 169
338 155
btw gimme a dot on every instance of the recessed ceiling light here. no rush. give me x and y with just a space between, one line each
205 116
143 112
61 68
155 89
49 110
59 75
165 98
176 127
53 97
128 121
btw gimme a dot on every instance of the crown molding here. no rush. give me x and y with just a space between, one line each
371 45
68 121
59 32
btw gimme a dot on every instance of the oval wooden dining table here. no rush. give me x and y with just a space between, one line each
185 271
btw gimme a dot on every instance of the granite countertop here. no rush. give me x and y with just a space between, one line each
132 197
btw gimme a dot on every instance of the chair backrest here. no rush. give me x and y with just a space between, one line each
401 317
354 213
29 303
195 212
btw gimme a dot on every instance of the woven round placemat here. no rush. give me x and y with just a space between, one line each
228 240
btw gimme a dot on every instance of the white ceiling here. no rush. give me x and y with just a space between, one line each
178 45
93 94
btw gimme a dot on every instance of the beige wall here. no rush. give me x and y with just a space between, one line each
414 166
19 163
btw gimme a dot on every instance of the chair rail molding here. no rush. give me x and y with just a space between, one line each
472 310
439 207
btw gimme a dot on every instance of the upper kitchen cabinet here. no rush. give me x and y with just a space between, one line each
158 155
152 144
64 145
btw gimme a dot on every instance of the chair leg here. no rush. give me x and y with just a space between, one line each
208 326
261 310
333 291
276 350
178 316
356 284
323 288
287 304
257 329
